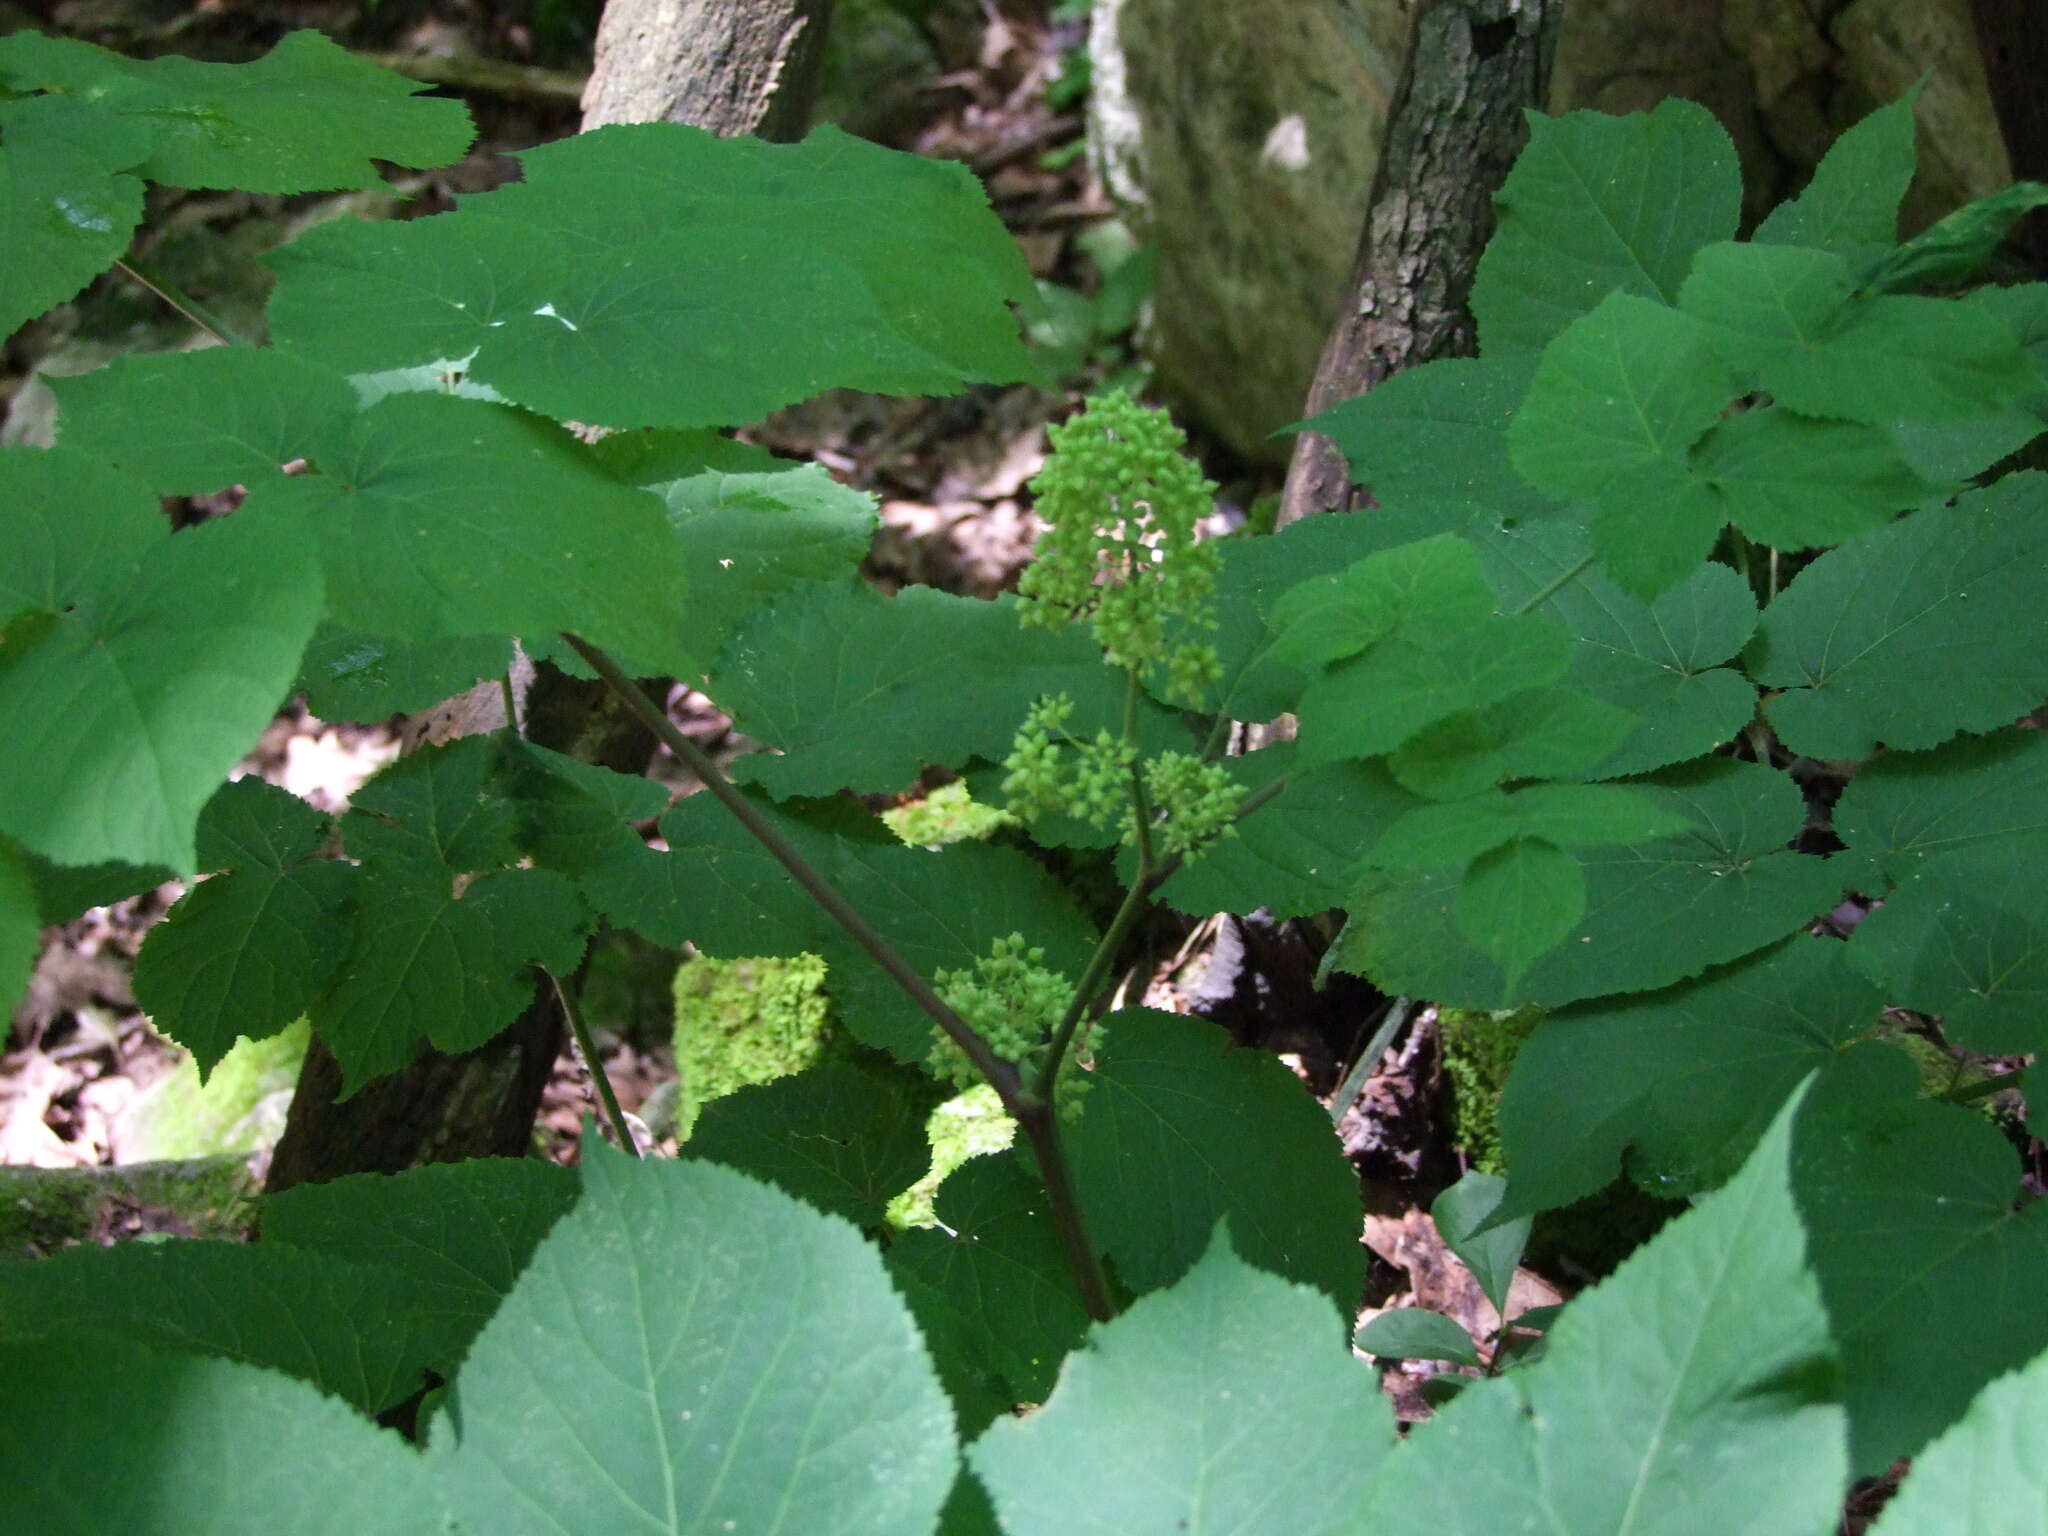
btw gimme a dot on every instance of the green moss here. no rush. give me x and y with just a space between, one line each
241 1107
969 1125
1478 1049
745 1021
949 814
43 1209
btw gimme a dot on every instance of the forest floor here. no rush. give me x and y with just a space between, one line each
84 1077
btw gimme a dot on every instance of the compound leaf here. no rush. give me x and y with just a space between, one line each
1675 1087
145 668
1851 207
1656 912
309 116
247 952
666 277
1160 1422
1598 204
1179 1132
1934 624
643 1374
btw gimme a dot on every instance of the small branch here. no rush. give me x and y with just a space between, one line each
184 304
622 1131
1001 1075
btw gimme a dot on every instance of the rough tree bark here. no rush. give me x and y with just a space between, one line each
1457 124
733 67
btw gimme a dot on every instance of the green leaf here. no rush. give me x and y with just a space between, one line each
1416 1333
1566 815
1297 854
1981 1476
990 1289
461 1233
844 1136
720 890
1179 1131
426 964
440 518
309 116
159 662
1660 661
1163 1422
62 894
247 952
1415 591
68 211
1542 733
1630 385
228 1448
1963 937
435 813
359 1331
1972 794
1795 482
1930 1277
1255 684
193 422
1675 1087
1518 901
575 816
860 691
20 930
1379 701
1656 912
1596 205
348 675
1438 431
1935 624
665 277
1662 1392
1851 207
751 526
1957 247
692 1351
1464 1216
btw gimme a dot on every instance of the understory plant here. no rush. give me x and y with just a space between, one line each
1700 608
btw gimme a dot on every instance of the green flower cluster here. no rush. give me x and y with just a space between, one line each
1120 499
1049 771
1013 1002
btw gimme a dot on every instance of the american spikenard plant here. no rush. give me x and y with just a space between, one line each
1709 527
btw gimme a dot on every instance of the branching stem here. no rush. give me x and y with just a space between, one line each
1032 1112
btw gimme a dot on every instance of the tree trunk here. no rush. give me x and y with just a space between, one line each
1457 124
732 66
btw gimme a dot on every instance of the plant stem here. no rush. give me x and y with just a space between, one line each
621 1130
1985 1087
1550 589
1000 1074
1362 1069
1091 981
1032 1112
184 304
